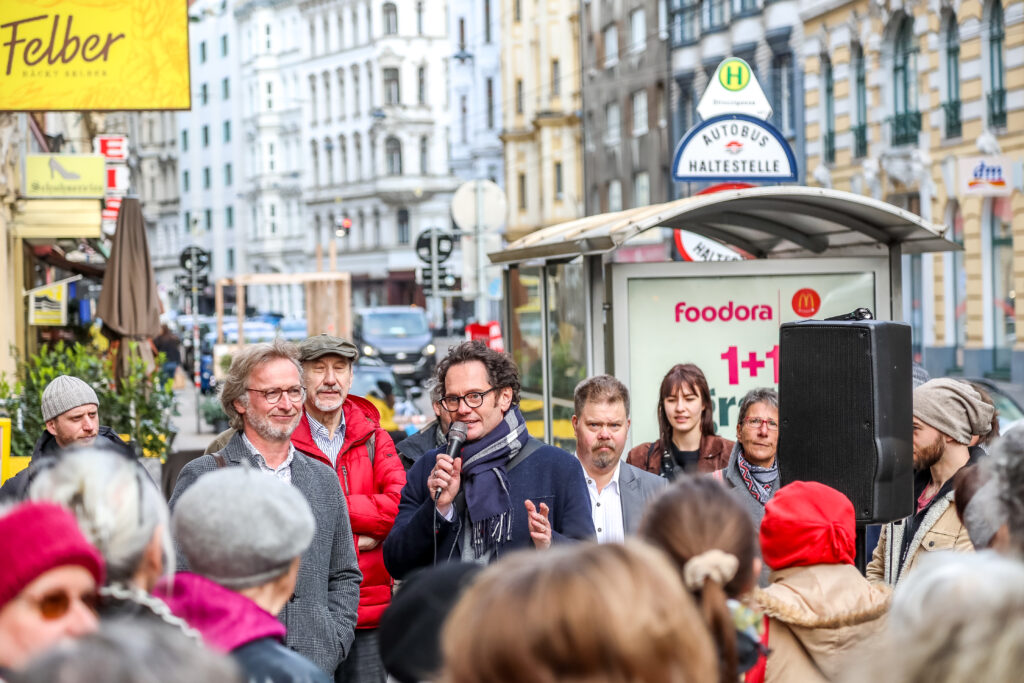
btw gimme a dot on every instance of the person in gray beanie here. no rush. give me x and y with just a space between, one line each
947 413
244 568
70 410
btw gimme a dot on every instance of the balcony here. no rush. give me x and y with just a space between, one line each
905 127
954 126
830 147
997 108
860 140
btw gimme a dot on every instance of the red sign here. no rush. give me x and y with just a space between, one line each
117 179
113 147
806 302
110 208
486 332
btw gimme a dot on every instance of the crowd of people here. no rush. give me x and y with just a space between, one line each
307 546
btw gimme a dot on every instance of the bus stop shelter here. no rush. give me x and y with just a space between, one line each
572 311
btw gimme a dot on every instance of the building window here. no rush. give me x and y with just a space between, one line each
270 156
424 149
419 18
612 124
462 34
421 85
369 22
611 45
327 96
519 96
686 22
906 120
829 87
357 150
270 96
343 158
267 34
637 31
202 51
225 89
463 118
224 45
997 77
227 131
184 182
951 106
641 189
227 175
230 261
392 94
341 93
390 19
490 104
639 99
184 141
522 192
355 90
559 190
229 217
208 220
517 10
715 13
393 152
204 134
312 99
403 226
556 78
782 91
614 195
487 21
860 105
744 7
206 177
204 94
1003 291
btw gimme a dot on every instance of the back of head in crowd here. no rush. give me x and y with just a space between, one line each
48 579
131 651
119 509
712 542
1000 503
808 523
959 617
612 613
993 431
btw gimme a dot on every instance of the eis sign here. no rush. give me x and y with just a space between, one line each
734 147
729 327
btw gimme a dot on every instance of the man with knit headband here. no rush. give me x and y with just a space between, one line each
48 582
946 414
71 412
504 490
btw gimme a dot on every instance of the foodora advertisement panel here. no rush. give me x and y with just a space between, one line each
725 318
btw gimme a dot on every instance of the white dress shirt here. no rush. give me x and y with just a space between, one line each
282 471
606 507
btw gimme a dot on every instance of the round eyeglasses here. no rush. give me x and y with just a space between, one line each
473 399
273 396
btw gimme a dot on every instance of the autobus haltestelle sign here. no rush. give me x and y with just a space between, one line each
734 147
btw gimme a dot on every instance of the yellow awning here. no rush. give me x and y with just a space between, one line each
57 219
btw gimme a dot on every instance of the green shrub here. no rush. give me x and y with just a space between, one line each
141 406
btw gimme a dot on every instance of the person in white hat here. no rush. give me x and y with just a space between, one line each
71 412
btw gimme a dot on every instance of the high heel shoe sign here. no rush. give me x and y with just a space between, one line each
64 175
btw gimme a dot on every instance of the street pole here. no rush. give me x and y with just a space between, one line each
196 351
435 281
482 314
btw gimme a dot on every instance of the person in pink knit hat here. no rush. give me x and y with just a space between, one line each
48 582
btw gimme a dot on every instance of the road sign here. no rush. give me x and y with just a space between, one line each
734 90
734 147
445 245
492 203
197 255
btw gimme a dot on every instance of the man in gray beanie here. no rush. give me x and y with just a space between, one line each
71 412
947 413
244 568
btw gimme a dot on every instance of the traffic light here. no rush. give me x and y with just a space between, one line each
343 225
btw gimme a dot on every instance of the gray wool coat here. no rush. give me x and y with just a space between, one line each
321 615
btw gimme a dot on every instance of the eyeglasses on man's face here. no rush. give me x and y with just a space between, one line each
273 396
756 422
473 399
57 603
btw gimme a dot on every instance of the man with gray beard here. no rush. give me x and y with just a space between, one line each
263 397
619 492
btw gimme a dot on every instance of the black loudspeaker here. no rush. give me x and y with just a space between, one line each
845 408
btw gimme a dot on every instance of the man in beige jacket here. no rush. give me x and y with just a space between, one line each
946 414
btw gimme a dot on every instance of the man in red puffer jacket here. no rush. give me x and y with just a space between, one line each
344 432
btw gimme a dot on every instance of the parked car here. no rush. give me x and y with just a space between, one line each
1008 399
400 336
372 380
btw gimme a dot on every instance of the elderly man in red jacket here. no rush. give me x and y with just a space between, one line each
344 432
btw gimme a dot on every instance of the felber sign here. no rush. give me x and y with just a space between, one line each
93 55
734 147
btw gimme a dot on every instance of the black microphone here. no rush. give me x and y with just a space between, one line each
456 437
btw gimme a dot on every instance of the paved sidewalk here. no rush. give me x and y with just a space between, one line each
188 437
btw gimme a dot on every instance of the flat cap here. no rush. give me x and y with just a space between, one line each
321 345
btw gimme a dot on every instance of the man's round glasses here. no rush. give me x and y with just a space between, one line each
57 603
756 422
473 399
273 396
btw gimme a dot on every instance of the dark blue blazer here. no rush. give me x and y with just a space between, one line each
548 475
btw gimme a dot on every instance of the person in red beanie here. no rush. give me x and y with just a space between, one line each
48 579
819 607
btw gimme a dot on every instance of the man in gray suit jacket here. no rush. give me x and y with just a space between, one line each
618 491
262 397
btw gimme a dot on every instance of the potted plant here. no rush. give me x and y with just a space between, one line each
213 414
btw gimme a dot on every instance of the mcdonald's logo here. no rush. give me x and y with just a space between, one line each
806 302
734 74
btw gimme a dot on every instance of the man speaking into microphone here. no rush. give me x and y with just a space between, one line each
499 491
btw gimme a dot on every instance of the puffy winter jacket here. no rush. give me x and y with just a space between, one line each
372 489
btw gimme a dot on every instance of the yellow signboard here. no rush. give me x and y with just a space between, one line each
94 55
9 465
48 305
64 175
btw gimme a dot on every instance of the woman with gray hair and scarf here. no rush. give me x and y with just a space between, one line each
123 514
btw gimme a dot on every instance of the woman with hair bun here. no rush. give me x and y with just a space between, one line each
711 541
686 430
